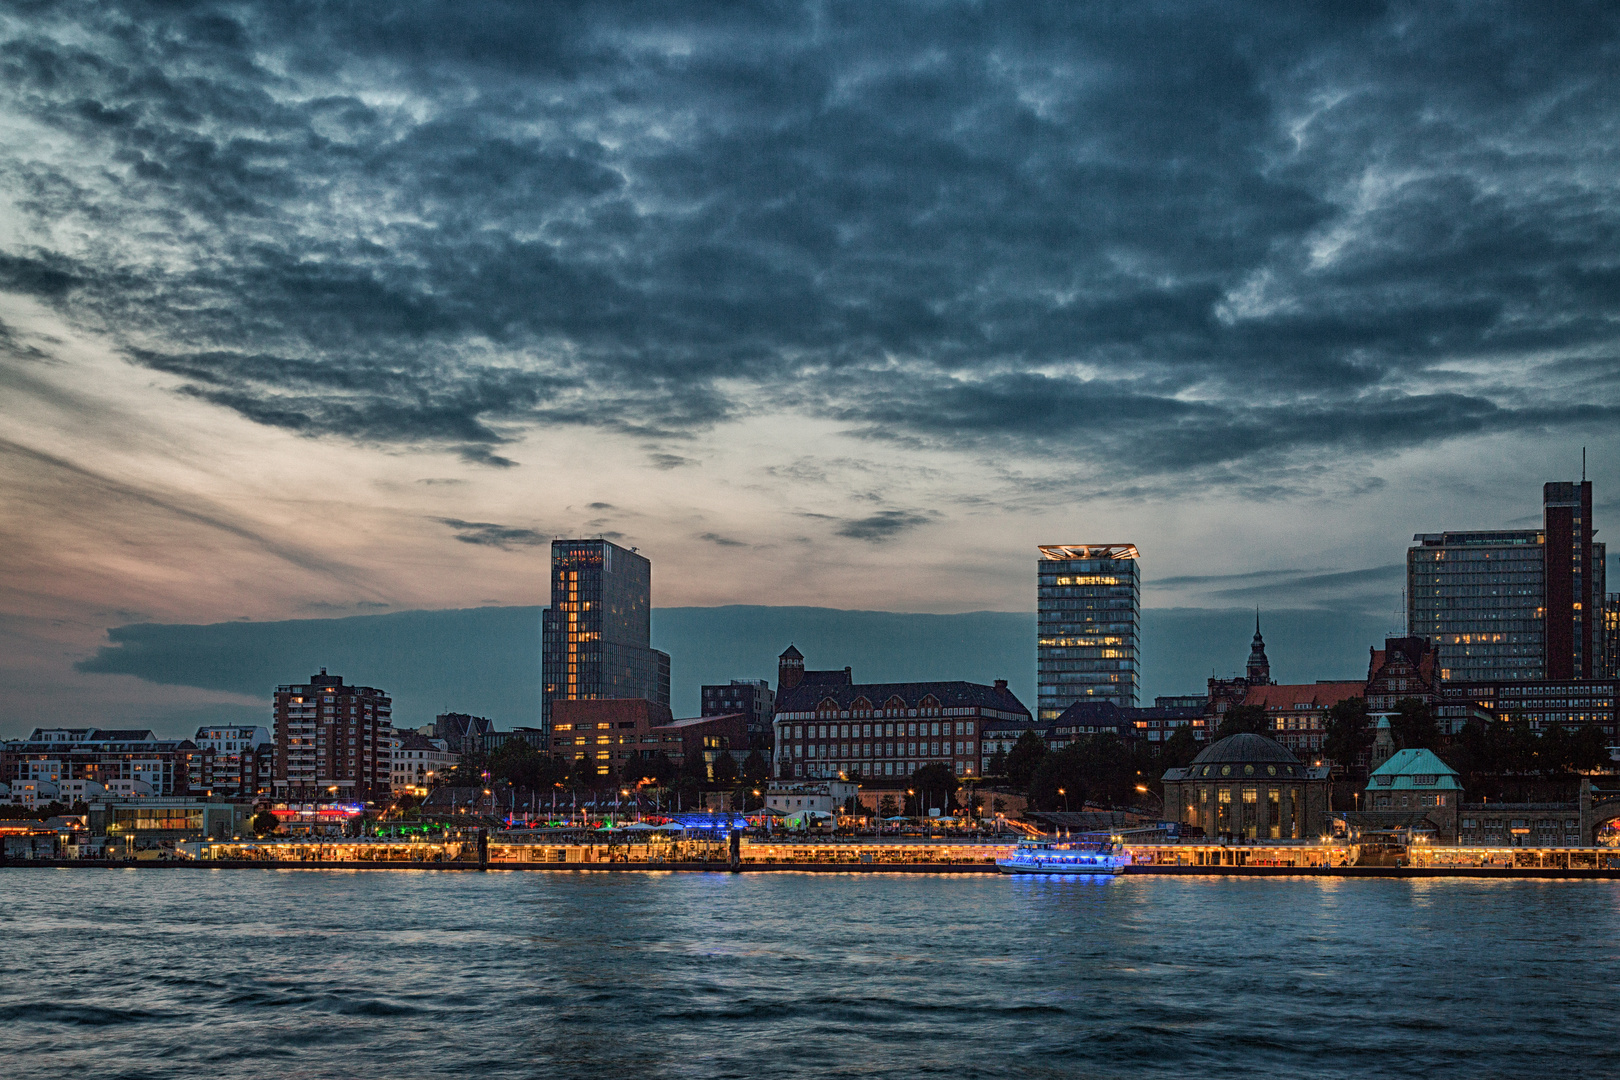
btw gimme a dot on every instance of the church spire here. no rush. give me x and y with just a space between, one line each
1259 667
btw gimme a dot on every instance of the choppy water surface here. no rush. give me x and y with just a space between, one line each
251 973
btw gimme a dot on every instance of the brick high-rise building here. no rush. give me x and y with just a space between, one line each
1575 585
595 638
333 741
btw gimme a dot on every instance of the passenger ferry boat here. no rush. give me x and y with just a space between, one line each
1050 855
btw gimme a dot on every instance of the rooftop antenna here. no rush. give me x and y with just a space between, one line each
1583 464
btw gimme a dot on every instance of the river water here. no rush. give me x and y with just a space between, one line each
254 973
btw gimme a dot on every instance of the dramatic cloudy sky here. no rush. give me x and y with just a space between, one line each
325 310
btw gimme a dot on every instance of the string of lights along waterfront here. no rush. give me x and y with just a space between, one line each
133 975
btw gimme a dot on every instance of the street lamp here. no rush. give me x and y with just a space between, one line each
1065 793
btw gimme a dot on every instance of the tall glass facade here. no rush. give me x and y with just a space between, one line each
1480 598
1088 623
595 636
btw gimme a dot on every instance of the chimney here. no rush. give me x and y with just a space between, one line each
1001 686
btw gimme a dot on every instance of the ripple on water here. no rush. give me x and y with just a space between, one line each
380 975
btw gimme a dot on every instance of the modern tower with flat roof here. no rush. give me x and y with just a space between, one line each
1513 605
1088 625
595 639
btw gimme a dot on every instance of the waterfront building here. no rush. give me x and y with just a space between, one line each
33 794
145 824
596 635
1167 714
1296 714
127 760
1249 787
754 698
237 761
1000 736
1403 668
619 734
1085 718
333 741
417 763
1569 703
1412 789
828 725
1513 605
822 796
1087 624
609 732
535 737
461 731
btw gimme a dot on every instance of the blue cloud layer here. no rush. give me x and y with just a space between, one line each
1159 237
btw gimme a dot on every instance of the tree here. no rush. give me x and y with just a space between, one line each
664 771
1243 719
1413 726
1059 782
469 768
756 770
517 762
1100 768
998 763
1348 734
1025 758
1179 749
264 823
725 769
583 773
1589 749
888 807
935 785
694 777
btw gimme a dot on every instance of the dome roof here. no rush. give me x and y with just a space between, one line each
1245 756
1254 749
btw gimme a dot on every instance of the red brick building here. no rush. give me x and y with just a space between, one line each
1403 668
615 733
1296 716
333 741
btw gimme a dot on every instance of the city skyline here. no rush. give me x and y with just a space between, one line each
304 317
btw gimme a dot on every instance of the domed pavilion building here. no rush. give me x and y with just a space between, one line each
1249 787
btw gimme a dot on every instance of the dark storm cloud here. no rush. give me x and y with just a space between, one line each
489 534
883 525
1158 238
720 541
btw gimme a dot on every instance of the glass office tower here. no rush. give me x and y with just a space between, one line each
595 638
1087 602
1478 597
1512 606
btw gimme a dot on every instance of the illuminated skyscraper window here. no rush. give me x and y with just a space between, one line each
1088 600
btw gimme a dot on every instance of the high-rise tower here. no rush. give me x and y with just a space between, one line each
596 635
1575 586
1513 605
1087 602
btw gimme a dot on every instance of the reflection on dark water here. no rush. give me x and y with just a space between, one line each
142 973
